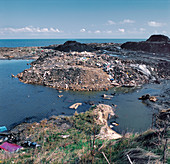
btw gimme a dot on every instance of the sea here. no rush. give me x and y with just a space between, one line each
47 42
21 102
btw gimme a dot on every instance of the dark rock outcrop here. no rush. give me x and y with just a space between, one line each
155 44
158 38
74 46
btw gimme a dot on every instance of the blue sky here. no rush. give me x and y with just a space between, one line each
83 18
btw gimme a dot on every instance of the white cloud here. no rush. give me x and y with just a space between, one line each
121 30
142 29
83 30
110 22
155 24
97 32
108 31
44 30
127 21
29 29
54 30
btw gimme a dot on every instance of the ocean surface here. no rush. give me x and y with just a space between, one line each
26 102
47 42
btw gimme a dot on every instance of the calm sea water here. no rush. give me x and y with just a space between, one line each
46 42
19 101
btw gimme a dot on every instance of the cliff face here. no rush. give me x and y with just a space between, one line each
155 44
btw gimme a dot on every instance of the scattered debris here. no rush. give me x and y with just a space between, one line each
114 123
107 96
65 136
75 106
10 147
30 144
3 128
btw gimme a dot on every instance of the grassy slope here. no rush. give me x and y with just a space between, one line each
82 145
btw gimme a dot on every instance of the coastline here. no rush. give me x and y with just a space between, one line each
50 60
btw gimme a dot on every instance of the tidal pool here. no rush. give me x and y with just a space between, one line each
25 102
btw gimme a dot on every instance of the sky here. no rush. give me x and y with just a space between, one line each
55 19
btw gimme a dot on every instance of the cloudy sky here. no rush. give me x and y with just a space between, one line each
83 18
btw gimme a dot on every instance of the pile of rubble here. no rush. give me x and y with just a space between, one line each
66 72
86 71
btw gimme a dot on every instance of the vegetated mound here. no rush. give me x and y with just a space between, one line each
67 77
155 44
74 46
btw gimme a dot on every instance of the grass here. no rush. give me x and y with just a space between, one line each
81 146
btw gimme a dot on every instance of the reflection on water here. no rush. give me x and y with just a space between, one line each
19 101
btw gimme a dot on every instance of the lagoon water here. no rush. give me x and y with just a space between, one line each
25 102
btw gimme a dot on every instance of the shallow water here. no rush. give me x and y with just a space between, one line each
19 101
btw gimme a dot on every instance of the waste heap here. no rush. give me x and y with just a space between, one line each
62 71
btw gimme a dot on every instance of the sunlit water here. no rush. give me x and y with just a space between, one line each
19 101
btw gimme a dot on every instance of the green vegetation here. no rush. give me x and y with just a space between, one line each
74 140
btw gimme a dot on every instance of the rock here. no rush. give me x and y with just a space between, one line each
148 97
74 46
153 98
155 44
144 97
158 38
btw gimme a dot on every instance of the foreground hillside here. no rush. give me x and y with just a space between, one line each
86 138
